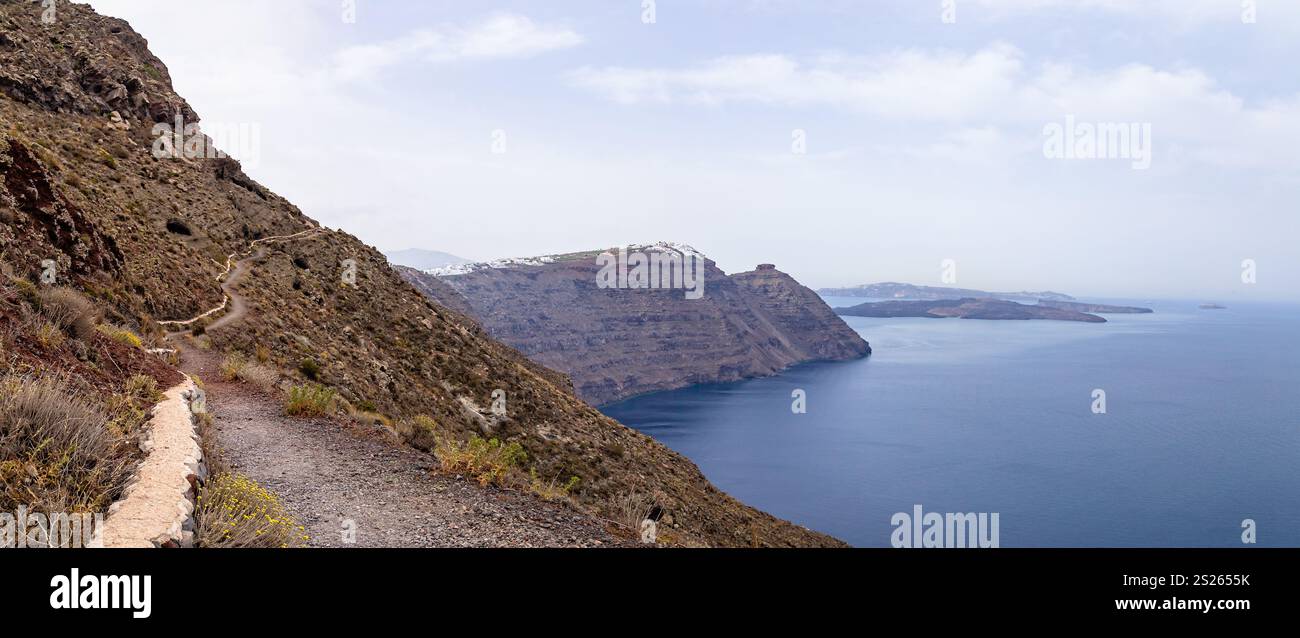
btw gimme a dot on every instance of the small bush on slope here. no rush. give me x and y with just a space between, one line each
490 462
69 310
310 401
551 490
232 366
235 367
121 335
486 461
232 510
420 433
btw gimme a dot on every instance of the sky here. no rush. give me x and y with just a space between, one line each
846 141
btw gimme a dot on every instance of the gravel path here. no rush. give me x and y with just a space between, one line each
337 477
329 473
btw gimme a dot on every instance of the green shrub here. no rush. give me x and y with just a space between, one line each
232 366
120 335
551 490
310 369
488 461
143 389
420 432
310 401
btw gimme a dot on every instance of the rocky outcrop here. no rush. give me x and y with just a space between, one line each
995 309
43 214
803 319
619 342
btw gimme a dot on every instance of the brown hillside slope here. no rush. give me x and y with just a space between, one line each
148 238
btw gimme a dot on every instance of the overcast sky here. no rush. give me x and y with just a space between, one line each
847 141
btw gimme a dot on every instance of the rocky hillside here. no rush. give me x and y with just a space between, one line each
620 342
441 292
147 237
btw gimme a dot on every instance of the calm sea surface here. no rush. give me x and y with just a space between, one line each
1201 430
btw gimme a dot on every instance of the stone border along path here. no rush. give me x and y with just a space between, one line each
232 264
157 508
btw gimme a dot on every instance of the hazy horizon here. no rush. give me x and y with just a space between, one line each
904 134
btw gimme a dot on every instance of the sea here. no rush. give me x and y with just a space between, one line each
1179 428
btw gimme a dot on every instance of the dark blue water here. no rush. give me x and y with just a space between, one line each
1202 429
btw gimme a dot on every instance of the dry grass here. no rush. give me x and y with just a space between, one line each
58 451
420 433
552 490
310 401
232 366
121 335
213 456
371 418
261 377
69 310
235 367
633 510
50 336
488 461
143 389
232 510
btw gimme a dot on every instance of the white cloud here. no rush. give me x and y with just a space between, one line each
904 84
1185 12
501 36
993 87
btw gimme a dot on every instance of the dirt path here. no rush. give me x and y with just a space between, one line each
236 306
229 278
336 476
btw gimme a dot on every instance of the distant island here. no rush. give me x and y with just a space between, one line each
1212 306
1096 308
894 290
967 308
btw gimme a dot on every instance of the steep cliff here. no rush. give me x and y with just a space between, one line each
617 342
147 238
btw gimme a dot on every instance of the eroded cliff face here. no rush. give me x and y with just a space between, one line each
146 238
620 342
